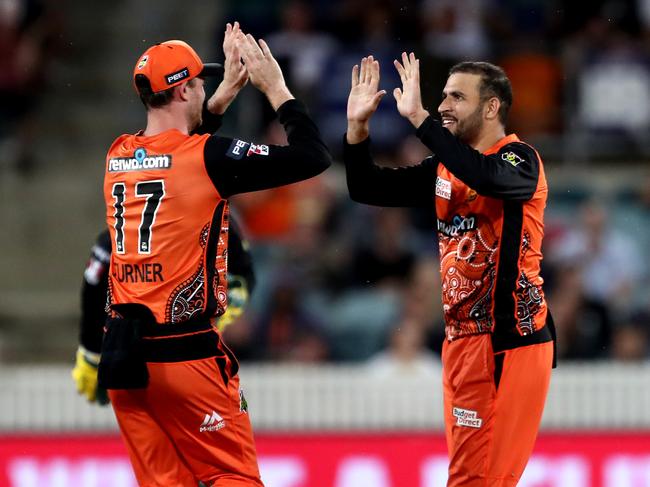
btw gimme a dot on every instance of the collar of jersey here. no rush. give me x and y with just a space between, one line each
508 139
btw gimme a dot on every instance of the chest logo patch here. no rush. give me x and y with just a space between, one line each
443 188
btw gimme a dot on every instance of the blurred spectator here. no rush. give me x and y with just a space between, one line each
631 338
302 49
26 29
385 258
609 261
422 301
583 325
609 70
456 29
406 355
286 330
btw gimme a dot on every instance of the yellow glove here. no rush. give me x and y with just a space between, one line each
84 375
237 299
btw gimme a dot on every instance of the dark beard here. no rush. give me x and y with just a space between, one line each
469 129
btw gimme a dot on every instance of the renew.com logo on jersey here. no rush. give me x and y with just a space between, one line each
212 422
140 161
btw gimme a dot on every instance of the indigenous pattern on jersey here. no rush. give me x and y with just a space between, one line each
490 247
168 226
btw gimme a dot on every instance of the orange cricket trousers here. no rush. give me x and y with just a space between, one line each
190 423
493 407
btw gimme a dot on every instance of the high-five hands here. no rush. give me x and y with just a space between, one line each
364 99
408 98
365 95
235 75
263 69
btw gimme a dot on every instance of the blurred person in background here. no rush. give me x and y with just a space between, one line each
631 338
384 258
490 191
305 65
286 330
26 32
406 354
611 264
584 325
161 353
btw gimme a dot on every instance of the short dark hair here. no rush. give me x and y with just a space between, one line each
494 82
151 99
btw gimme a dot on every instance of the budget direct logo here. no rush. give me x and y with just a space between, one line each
140 161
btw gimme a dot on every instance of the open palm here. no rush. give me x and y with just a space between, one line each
364 94
408 98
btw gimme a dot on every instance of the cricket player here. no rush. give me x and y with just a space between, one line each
489 192
172 381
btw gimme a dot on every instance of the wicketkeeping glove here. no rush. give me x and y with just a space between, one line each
84 375
237 299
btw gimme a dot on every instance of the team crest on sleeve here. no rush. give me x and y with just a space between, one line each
237 149
512 158
261 150
443 188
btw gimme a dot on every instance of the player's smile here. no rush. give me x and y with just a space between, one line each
448 121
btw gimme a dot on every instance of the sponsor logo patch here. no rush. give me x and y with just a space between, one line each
237 149
467 417
458 225
177 76
262 150
212 422
139 162
143 61
512 158
443 188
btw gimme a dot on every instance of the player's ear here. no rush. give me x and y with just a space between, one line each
491 108
181 92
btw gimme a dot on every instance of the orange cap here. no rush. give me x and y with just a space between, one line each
168 64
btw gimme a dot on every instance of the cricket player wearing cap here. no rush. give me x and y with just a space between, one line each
171 379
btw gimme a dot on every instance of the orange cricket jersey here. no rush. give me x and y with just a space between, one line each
168 226
490 255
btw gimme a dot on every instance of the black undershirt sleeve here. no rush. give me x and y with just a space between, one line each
93 294
211 122
410 186
510 174
236 166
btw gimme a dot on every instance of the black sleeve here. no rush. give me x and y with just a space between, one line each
368 183
240 262
236 166
510 174
211 121
93 294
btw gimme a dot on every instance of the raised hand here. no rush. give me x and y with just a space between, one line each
409 99
263 69
364 98
235 75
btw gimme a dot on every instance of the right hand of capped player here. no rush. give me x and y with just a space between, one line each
235 75
364 99
263 70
